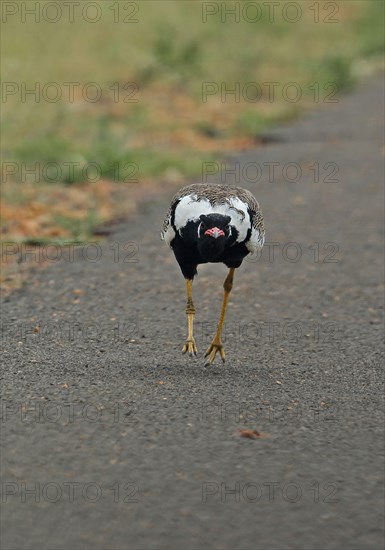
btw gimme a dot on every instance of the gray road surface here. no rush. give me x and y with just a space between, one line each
130 445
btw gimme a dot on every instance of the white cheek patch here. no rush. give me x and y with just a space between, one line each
189 209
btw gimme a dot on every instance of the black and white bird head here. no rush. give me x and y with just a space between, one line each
214 232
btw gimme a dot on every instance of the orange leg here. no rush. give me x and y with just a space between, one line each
216 345
190 346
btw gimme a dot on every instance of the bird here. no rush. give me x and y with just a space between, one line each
212 223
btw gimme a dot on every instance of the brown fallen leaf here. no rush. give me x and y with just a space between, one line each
252 434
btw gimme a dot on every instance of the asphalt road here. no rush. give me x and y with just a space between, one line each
128 444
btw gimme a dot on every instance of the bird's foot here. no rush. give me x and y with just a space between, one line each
190 347
213 350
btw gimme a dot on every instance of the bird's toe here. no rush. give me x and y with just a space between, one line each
212 351
190 348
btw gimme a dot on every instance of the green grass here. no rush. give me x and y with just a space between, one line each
79 229
170 51
253 124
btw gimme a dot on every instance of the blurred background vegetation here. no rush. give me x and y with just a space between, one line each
148 61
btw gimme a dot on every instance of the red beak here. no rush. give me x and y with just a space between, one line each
215 232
